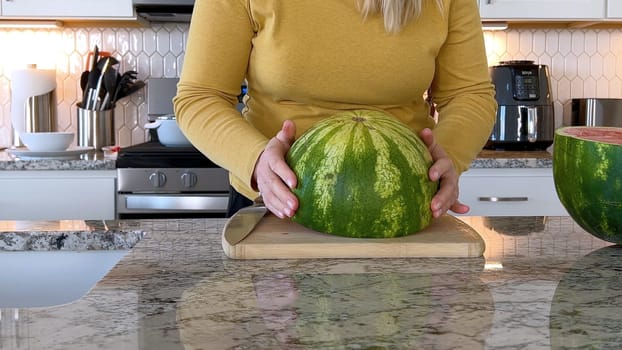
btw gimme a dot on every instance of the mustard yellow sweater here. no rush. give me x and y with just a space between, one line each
305 60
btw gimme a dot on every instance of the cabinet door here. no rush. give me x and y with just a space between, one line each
67 9
614 9
530 10
510 192
57 195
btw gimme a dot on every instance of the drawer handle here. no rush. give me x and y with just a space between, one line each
503 199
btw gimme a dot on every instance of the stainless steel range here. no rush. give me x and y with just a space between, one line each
154 180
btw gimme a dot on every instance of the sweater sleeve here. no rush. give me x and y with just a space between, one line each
462 88
215 63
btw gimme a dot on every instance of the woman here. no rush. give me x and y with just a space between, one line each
307 60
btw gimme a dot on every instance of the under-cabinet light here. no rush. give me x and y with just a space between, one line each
495 25
17 24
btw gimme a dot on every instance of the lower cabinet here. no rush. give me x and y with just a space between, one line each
510 192
57 195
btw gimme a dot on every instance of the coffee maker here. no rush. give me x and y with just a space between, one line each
525 117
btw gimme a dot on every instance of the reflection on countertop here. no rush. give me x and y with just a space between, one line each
547 284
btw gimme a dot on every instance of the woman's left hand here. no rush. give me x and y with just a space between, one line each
444 171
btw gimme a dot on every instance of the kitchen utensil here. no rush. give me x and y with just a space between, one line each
242 223
84 80
525 116
110 85
122 82
274 238
168 131
95 103
92 84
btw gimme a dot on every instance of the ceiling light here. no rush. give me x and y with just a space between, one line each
495 25
17 24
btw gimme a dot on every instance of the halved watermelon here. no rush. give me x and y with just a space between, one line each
587 170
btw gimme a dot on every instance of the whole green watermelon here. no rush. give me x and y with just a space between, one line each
587 170
362 174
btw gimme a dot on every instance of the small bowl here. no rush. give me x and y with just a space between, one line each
47 141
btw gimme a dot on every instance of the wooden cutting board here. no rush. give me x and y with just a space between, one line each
275 238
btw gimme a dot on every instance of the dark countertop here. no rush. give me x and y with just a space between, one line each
543 283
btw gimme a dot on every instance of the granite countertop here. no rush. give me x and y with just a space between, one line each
97 161
543 283
86 161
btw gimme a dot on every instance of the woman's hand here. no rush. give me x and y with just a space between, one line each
274 178
443 170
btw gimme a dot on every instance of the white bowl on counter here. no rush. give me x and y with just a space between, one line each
47 141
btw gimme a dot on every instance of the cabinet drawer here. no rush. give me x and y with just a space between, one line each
57 195
510 192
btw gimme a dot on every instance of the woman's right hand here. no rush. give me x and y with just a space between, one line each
273 177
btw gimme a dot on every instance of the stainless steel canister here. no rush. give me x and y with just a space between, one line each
39 115
95 128
593 112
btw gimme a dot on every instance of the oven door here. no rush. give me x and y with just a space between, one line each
154 205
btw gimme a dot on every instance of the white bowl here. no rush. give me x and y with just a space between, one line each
47 141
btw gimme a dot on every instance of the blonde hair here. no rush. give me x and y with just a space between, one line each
396 13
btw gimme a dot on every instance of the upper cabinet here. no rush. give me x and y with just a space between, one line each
614 9
66 9
555 10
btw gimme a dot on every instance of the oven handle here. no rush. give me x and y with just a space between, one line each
148 203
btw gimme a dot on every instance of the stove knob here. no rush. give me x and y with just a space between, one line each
188 179
157 179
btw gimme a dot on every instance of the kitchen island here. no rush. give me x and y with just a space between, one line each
542 283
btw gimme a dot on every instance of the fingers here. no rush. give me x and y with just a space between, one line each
443 170
274 177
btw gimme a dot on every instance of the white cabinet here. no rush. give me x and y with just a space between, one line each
46 9
57 195
544 9
614 9
510 192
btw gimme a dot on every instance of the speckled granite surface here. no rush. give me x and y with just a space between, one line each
543 283
96 161
87 161
513 159
66 236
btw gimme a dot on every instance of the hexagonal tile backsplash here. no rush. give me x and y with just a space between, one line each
582 62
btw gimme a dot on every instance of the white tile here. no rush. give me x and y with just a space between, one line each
602 87
163 41
149 41
565 42
570 66
589 88
177 43
603 41
590 42
609 65
156 64
170 66
123 41
583 66
577 42
525 43
539 43
596 66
